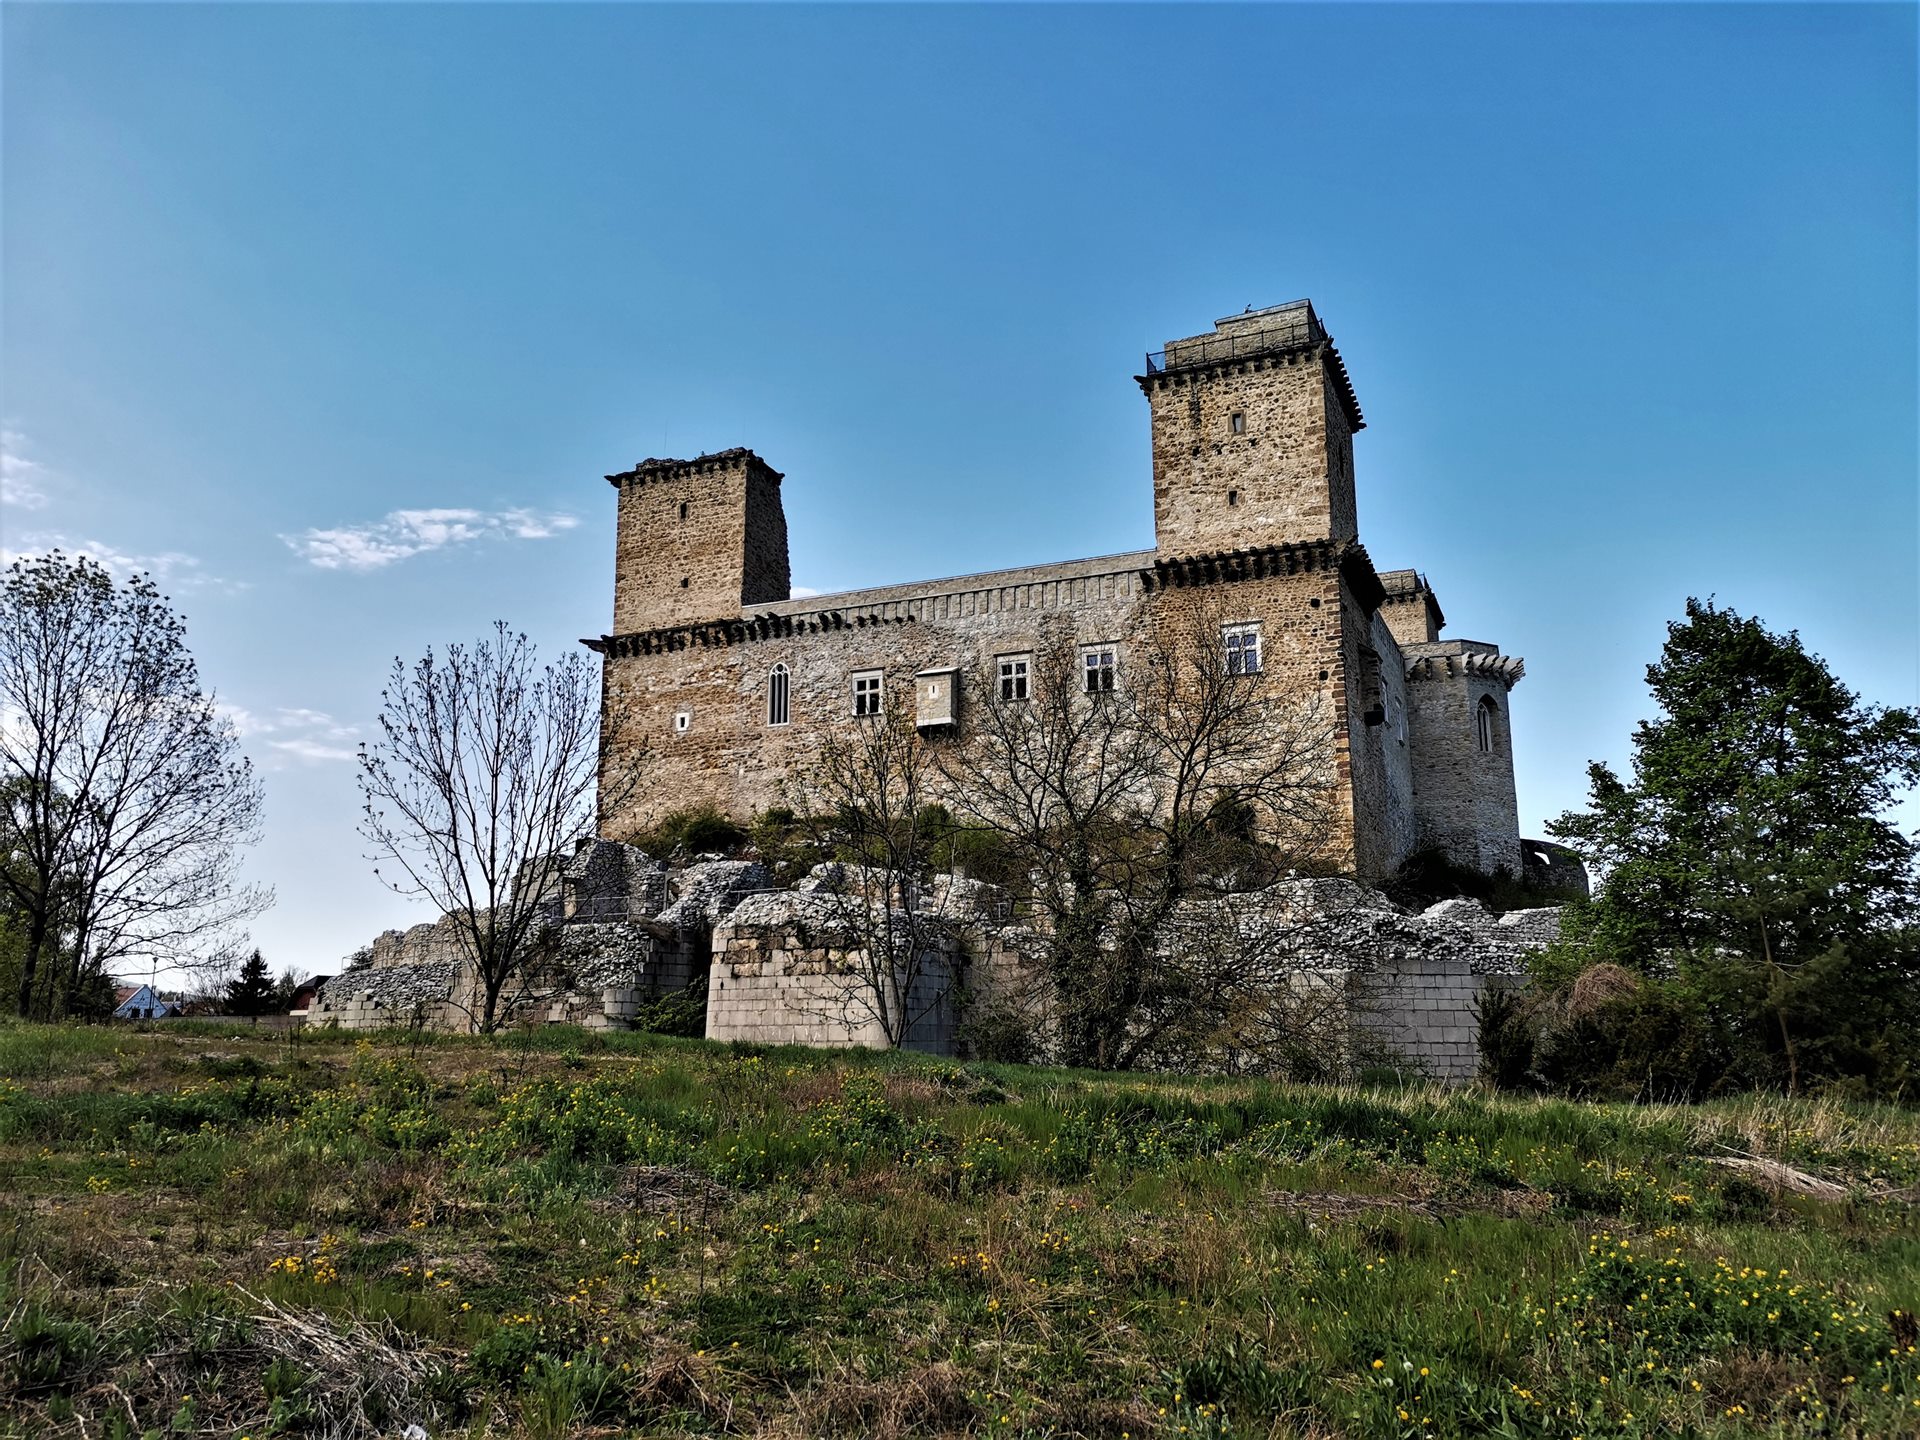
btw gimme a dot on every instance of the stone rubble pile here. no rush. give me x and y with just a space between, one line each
775 962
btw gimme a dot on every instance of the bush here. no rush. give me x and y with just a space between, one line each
1604 1034
1506 1039
698 831
1427 877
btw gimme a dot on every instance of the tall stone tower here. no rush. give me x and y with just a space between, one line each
697 540
1252 435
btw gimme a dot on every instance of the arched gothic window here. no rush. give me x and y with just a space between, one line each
777 684
1483 724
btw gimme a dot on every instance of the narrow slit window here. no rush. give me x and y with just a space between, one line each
1238 423
683 509
1483 724
1015 672
1243 649
1098 669
779 683
1233 497
866 693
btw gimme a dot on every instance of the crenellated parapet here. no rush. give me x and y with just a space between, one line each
1487 664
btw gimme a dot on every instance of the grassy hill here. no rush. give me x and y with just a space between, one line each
207 1232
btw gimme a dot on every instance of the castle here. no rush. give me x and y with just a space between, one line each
726 681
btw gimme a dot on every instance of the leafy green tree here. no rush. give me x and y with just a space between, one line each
251 992
1749 857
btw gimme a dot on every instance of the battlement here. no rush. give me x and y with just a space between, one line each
1453 659
652 470
1290 329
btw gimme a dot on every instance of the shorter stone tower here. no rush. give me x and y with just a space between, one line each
697 540
1462 752
1252 435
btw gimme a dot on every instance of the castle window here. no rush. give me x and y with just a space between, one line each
1243 649
1098 669
1238 422
866 693
778 685
1483 718
683 722
683 509
1233 497
1014 671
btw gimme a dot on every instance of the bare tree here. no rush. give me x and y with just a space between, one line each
127 798
482 779
865 799
1136 811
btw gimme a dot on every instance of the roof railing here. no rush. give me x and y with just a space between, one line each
1210 349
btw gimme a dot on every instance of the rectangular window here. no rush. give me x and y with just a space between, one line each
1239 423
1013 676
866 693
1097 669
1243 649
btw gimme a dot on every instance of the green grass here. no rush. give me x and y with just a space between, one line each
216 1231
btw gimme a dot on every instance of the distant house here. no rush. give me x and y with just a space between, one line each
140 1002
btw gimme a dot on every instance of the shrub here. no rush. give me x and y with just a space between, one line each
692 832
1507 1039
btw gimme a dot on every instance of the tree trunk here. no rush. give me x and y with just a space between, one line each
30 962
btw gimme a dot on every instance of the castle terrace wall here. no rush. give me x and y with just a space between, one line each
1424 1014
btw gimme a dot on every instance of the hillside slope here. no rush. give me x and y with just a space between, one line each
209 1232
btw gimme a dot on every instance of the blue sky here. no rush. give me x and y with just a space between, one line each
336 316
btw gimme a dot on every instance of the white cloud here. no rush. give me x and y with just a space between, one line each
171 568
312 750
312 736
406 533
21 480
803 592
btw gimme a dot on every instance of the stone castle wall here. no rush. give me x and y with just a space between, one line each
784 966
696 539
1255 513
725 751
1465 797
1286 475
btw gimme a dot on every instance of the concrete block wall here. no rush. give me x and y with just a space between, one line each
1423 1012
782 980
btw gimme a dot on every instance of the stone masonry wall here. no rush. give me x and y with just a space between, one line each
786 973
1282 479
727 754
1464 797
697 539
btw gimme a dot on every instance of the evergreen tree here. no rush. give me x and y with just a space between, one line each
1749 857
251 992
